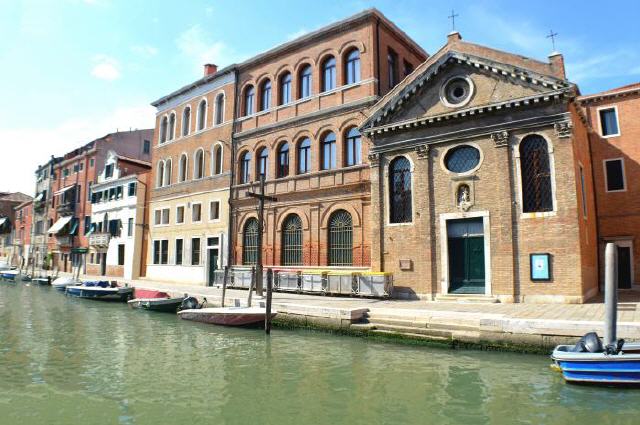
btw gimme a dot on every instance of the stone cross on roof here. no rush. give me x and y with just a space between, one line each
453 17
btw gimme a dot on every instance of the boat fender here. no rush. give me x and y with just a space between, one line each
189 303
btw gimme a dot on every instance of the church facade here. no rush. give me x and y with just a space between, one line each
481 180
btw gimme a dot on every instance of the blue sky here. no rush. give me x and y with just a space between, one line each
73 70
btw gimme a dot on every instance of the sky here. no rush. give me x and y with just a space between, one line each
74 70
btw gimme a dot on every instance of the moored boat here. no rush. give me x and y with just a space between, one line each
227 316
591 362
169 305
41 280
61 283
9 274
102 290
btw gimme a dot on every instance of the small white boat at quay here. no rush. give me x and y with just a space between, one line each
61 283
227 316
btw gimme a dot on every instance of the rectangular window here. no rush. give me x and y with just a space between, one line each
157 217
146 147
114 228
161 216
408 68
165 216
132 189
614 175
609 122
180 214
179 249
214 210
121 254
583 192
156 252
92 162
81 166
76 167
164 253
195 251
112 193
65 172
87 224
196 213
130 227
119 192
108 171
392 65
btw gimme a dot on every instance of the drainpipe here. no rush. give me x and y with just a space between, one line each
377 55
230 244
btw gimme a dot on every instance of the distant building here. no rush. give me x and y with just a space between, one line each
8 202
45 177
481 180
613 116
23 252
70 209
116 227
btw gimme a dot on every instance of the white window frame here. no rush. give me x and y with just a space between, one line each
213 158
206 112
195 163
215 107
615 109
175 125
186 167
153 243
606 180
184 209
215 220
161 209
193 204
182 133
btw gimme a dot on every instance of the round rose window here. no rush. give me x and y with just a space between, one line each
457 91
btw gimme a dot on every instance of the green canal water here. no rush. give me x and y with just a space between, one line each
70 361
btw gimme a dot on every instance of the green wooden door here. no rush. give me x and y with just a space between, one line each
213 266
466 256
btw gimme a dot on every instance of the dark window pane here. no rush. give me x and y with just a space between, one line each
329 74
292 241
283 160
340 239
250 242
354 147
462 159
615 175
305 82
329 152
304 156
285 89
400 208
608 122
537 195
352 70
179 249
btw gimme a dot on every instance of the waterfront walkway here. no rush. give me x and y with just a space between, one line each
536 325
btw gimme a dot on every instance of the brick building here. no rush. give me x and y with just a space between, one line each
481 180
299 106
41 204
73 177
615 132
191 160
22 231
8 202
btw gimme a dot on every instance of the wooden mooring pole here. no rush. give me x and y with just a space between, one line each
267 317
224 283
610 293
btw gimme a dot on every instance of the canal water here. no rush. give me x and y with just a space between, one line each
71 361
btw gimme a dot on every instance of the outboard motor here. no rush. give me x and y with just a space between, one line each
614 348
189 303
589 343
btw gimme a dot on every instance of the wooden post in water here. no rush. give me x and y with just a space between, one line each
267 317
224 283
253 278
610 292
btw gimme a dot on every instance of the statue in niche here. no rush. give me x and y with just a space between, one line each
463 197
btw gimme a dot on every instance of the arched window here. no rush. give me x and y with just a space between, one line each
186 121
263 162
353 151
329 74
164 123
305 81
265 95
182 168
400 204
291 251
283 160
198 164
217 159
172 126
249 99
219 109
167 172
352 67
202 114
160 174
340 239
250 242
245 167
329 151
285 88
304 156
535 168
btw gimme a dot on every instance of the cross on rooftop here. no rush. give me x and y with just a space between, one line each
453 17
552 35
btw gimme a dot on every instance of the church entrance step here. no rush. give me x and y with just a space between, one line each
460 298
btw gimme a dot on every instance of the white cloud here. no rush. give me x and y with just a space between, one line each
31 147
144 50
197 45
299 33
105 68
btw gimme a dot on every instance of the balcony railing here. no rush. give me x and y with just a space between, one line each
99 239
65 209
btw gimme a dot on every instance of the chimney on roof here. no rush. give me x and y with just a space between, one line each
210 69
453 36
557 64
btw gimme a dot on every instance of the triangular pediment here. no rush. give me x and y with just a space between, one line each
489 85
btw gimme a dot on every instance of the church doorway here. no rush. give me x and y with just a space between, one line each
465 241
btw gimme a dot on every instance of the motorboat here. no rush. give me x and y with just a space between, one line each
589 361
9 274
227 316
61 283
166 304
41 280
101 289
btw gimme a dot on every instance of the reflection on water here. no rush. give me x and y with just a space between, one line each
69 361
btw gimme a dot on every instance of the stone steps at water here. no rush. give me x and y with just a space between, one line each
462 298
411 335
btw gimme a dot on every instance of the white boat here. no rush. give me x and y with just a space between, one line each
61 283
227 316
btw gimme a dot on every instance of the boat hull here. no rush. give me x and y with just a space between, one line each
107 294
226 316
8 275
599 368
166 305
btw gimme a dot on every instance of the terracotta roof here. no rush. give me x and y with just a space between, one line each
624 90
15 197
133 160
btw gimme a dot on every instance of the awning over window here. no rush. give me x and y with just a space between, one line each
3 220
91 229
39 197
59 225
74 227
61 191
